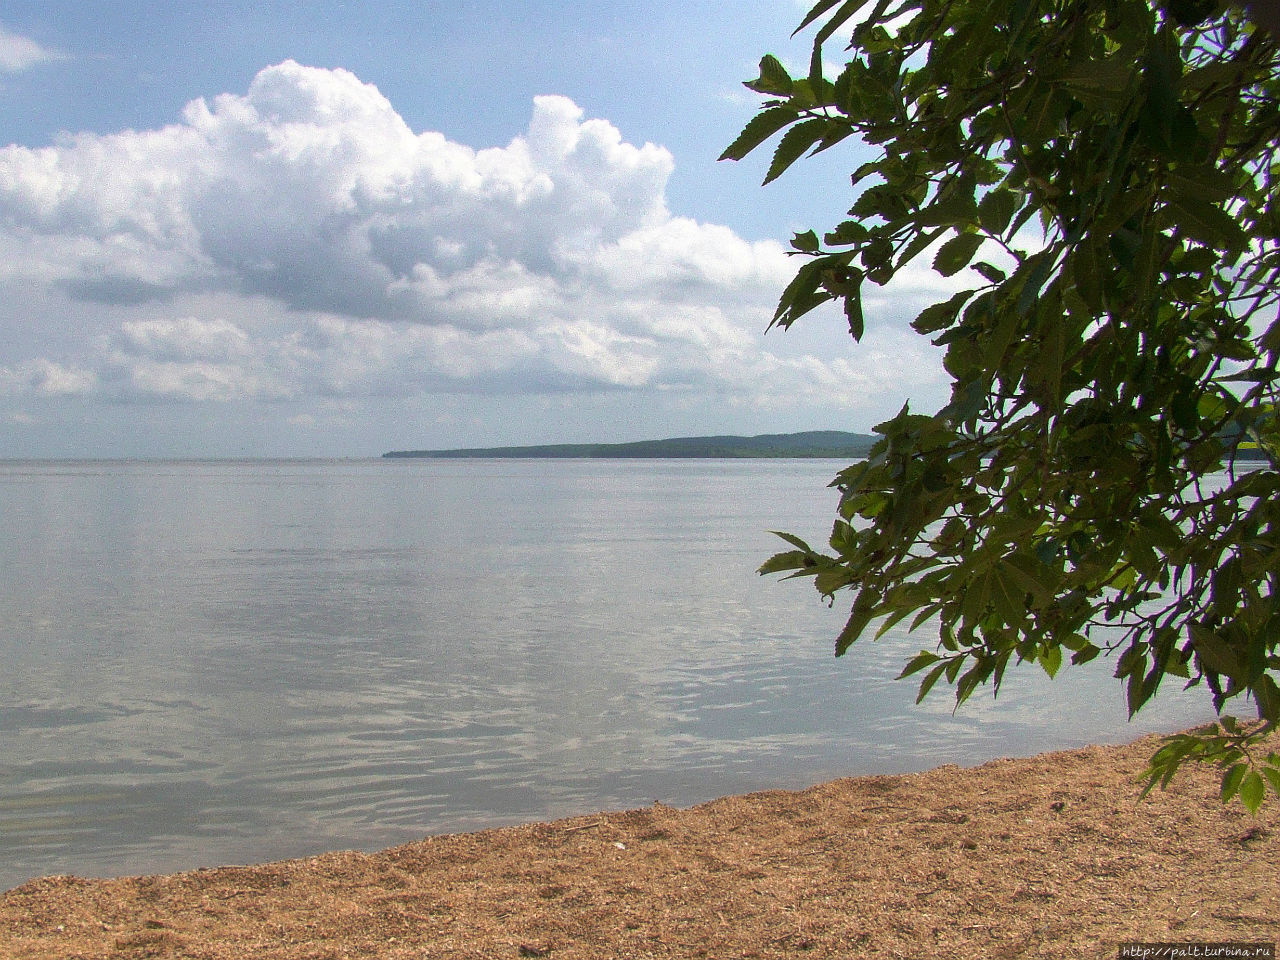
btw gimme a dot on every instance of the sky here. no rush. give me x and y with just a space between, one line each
334 229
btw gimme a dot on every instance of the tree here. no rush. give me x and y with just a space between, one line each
1104 476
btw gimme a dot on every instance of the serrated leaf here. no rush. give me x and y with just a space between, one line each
793 540
1051 660
864 171
1252 791
955 254
1023 571
853 314
924 615
818 9
1267 695
1207 223
786 562
1009 601
967 684
803 94
917 663
1215 653
859 617
1231 779
815 67
836 133
841 17
806 242
850 231
938 316
877 252
830 577
1273 778
930 679
759 129
1100 83
801 296
912 249
990 272
956 209
794 144
996 209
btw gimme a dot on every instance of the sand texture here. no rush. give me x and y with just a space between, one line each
1052 856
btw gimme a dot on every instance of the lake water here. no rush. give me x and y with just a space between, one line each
218 662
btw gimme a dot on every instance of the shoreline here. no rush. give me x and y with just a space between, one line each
1049 855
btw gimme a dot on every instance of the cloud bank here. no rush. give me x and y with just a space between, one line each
349 256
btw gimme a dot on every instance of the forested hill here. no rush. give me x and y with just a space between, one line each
813 443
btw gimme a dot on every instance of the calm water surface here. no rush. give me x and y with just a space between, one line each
211 662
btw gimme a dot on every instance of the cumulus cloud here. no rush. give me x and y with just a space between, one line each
312 190
375 261
18 53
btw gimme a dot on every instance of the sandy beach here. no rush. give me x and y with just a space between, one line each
1051 856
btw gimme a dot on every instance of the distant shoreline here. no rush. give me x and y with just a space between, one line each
812 444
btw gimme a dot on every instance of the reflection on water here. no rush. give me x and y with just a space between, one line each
231 662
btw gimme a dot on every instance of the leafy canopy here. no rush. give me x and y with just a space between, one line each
1101 173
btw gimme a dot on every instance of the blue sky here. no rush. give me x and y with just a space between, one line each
335 228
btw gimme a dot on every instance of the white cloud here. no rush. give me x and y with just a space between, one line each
44 378
185 340
368 260
18 53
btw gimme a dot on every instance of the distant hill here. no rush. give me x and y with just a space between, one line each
812 443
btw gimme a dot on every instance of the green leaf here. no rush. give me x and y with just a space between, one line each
1266 693
788 561
818 9
858 620
801 295
853 314
1051 660
1215 652
773 78
1206 222
917 663
1252 791
939 316
1231 780
759 129
916 246
1010 602
990 272
850 231
864 171
996 209
842 16
955 254
793 540
930 679
1109 373
1026 572
1100 83
806 242
815 66
794 144
878 252
1272 776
